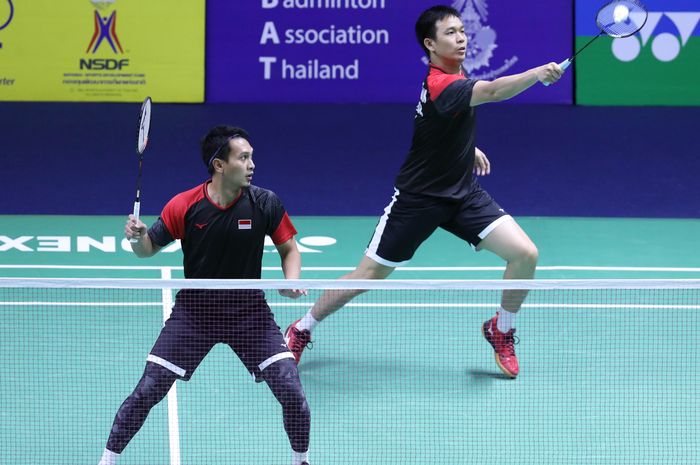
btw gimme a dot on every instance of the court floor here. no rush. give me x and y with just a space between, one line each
395 378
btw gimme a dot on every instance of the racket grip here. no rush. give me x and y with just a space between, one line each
137 211
563 65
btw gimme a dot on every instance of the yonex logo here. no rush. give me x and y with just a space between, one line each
200 225
664 46
113 244
105 28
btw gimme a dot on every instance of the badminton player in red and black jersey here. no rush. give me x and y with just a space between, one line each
222 225
436 186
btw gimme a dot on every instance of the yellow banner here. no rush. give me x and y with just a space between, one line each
102 50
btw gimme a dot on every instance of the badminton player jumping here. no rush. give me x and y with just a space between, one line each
436 187
222 224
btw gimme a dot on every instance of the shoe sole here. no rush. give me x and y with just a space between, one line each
498 360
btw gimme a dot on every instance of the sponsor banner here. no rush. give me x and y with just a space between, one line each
30 241
102 50
336 51
657 66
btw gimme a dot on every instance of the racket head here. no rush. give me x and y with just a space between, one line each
622 18
144 125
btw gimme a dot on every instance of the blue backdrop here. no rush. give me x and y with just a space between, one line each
79 158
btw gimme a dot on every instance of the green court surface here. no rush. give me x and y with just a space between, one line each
397 377
569 248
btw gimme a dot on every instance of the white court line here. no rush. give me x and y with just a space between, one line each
173 418
84 304
501 268
660 269
89 267
380 305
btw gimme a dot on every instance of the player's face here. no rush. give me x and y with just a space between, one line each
238 169
450 44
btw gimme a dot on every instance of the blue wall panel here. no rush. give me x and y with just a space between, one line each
79 158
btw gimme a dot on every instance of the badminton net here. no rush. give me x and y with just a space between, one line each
400 375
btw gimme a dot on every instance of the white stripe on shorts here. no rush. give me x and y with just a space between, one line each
371 251
275 358
492 226
166 364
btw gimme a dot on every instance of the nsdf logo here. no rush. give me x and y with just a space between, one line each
104 37
665 32
103 63
105 27
7 12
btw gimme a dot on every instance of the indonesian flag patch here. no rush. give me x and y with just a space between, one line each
245 224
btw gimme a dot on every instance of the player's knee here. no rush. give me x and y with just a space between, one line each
530 254
283 379
153 386
525 254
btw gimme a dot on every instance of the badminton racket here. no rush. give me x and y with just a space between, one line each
141 143
618 19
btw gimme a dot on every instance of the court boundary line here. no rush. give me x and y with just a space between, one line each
377 305
350 268
356 284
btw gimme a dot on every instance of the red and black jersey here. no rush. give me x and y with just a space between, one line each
441 158
223 242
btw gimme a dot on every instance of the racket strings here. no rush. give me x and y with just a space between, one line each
619 24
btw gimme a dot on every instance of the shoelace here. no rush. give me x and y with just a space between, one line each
301 341
509 341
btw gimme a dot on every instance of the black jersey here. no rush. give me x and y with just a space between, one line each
223 242
441 158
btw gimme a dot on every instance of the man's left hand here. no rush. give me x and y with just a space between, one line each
482 166
292 293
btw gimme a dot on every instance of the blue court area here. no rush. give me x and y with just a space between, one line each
397 377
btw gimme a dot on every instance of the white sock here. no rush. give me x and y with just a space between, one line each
505 321
307 322
108 458
299 457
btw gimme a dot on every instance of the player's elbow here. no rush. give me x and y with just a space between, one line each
497 93
144 250
141 253
291 258
489 92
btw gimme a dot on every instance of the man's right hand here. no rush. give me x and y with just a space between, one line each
135 228
549 73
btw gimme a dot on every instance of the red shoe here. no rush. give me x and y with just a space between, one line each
503 346
297 340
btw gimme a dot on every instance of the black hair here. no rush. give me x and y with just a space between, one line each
426 23
215 143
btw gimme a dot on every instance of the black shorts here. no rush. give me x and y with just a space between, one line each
410 219
202 319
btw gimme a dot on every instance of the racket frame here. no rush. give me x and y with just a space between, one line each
566 63
144 127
